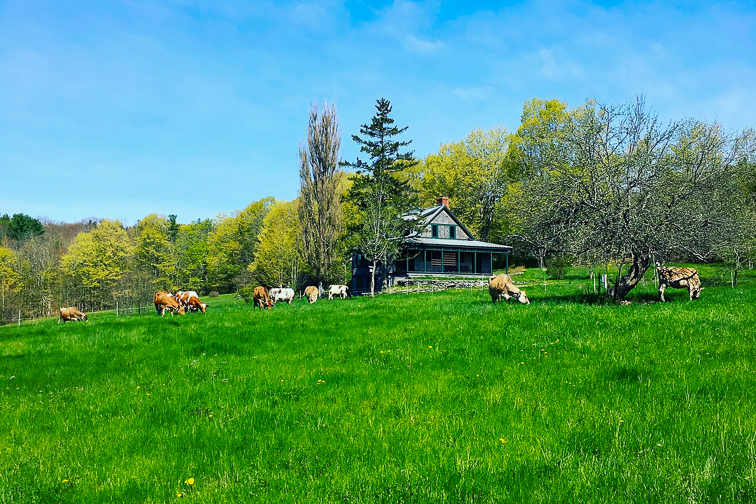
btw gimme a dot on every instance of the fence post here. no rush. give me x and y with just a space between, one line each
116 309
19 318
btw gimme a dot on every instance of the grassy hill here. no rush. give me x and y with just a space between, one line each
436 397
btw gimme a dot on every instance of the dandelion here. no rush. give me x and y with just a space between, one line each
208 416
381 351
179 494
148 393
503 441
190 481
622 421
65 481
430 346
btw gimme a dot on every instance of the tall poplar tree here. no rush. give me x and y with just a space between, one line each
319 211
381 192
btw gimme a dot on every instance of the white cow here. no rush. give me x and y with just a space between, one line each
282 294
338 290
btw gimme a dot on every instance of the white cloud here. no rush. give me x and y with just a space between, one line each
415 44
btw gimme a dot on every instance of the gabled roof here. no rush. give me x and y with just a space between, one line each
429 214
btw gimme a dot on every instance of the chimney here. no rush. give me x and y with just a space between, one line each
442 200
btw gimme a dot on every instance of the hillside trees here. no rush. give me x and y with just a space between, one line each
10 278
192 245
319 209
98 260
277 261
153 253
474 174
380 190
20 227
232 246
615 182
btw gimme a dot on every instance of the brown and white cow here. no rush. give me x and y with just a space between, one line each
190 301
502 286
261 298
312 293
167 301
679 278
338 290
71 313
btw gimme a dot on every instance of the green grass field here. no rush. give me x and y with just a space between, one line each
437 397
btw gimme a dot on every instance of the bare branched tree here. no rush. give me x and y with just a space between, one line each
319 208
632 190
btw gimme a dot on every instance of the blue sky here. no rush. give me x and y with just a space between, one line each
120 109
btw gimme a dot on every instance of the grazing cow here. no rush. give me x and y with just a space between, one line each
502 285
190 301
679 278
71 313
282 294
166 301
261 298
338 290
312 293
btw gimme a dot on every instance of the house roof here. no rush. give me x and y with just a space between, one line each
456 244
429 214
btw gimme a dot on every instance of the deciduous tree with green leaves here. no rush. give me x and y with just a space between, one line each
475 175
319 209
617 183
99 259
277 261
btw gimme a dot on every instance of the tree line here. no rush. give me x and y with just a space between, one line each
602 184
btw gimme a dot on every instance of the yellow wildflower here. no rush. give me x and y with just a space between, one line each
190 481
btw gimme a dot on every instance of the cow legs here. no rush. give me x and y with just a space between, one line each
661 291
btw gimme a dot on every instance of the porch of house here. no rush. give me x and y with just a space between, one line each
419 262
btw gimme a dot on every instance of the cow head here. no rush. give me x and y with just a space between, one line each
522 297
270 303
181 310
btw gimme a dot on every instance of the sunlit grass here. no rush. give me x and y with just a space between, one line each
436 397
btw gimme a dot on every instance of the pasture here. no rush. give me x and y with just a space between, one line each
433 397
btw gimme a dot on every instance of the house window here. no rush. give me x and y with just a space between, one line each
434 230
452 232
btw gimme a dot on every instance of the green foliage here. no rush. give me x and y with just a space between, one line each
20 227
277 261
439 397
319 210
475 175
192 246
99 258
154 253
232 246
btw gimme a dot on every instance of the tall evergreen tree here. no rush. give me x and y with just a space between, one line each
381 191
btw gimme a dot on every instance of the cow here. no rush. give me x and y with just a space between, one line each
261 298
71 313
679 278
282 294
338 290
502 285
167 301
190 301
312 293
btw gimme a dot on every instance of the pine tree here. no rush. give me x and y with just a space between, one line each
381 191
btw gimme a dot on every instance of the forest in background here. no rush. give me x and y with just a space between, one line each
601 184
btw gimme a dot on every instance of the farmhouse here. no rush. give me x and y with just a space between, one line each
443 247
